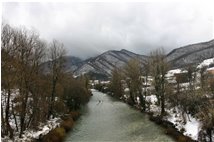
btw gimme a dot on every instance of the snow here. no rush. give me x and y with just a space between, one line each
96 81
84 69
171 73
32 134
151 98
28 134
209 69
93 90
206 62
126 90
105 62
44 131
105 82
138 100
192 128
51 124
192 125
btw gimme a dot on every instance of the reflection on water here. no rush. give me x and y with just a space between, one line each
106 119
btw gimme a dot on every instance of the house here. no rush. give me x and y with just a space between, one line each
176 76
181 77
210 72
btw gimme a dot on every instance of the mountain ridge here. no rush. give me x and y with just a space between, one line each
105 62
102 65
197 52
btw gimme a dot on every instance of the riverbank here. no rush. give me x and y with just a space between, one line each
170 128
59 133
107 119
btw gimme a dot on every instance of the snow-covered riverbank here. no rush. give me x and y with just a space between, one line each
192 126
31 134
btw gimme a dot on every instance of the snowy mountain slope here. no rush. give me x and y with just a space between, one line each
191 54
207 63
188 49
104 63
71 64
107 61
193 58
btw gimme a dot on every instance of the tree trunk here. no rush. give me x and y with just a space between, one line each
14 116
142 101
209 132
7 109
2 122
52 99
132 97
162 95
162 105
23 114
145 92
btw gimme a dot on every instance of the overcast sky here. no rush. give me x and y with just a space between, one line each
88 29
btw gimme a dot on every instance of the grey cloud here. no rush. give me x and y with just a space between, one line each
87 29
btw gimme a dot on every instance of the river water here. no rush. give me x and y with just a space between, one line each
106 119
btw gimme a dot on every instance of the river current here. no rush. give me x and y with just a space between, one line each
107 119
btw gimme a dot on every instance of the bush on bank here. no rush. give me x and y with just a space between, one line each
58 134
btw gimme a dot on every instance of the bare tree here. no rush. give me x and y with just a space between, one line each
8 75
133 73
146 71
116 85
203 77
56 55
207 116
30 51
159 67
38 56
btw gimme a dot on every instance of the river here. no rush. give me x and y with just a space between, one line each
107 119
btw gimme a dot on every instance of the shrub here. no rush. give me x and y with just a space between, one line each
169 131
59 107
130 101
182 130
56 135
60 131
184 139
75 115
67 124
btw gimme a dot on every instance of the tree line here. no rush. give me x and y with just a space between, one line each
196 100
31 94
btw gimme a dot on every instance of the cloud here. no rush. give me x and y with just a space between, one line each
88 29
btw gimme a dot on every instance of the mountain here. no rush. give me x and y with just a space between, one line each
104 63
100 67
72 63
191 54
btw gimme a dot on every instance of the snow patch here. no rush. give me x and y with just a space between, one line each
192 125
206 62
